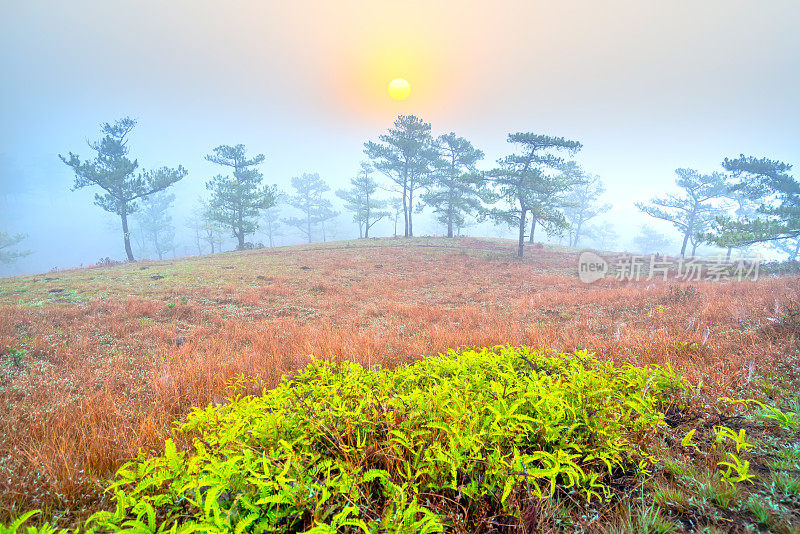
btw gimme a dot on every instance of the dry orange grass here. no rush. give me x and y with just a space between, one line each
115 354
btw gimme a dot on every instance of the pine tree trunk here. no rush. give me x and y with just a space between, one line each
410 210
533 229
689 231
521 245
366 223
728 255
683 247
405 206
157 245
269 233
126 235
450 198
240 228
450 223
577 233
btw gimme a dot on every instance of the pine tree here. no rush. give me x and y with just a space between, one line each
692 211
550 200
404 155
195 222
212 231
527 182
271 220
453 188
650 240
603 234
396 206
582 205
155 223
769 184
114 173
308 199
360 200
8 251
237 200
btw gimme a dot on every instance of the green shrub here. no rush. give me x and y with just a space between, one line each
453 440
17 357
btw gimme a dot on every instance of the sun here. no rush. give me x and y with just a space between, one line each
399 89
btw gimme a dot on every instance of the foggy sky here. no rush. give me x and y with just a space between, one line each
647 87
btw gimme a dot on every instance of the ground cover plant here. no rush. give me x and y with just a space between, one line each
96 364
470 441
462 440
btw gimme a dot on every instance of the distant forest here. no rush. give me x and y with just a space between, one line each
537 186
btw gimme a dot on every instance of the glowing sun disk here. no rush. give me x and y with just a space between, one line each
399 89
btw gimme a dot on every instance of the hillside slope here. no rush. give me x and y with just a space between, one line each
97 363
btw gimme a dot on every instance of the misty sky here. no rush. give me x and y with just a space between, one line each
645 86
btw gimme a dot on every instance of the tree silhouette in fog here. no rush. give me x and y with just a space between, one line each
237 199
115 173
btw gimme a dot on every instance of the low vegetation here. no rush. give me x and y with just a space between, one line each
464 440
97 365
507 439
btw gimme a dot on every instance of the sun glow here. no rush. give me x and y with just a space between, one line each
363 59
399 89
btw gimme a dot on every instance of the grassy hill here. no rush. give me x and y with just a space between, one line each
96 364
